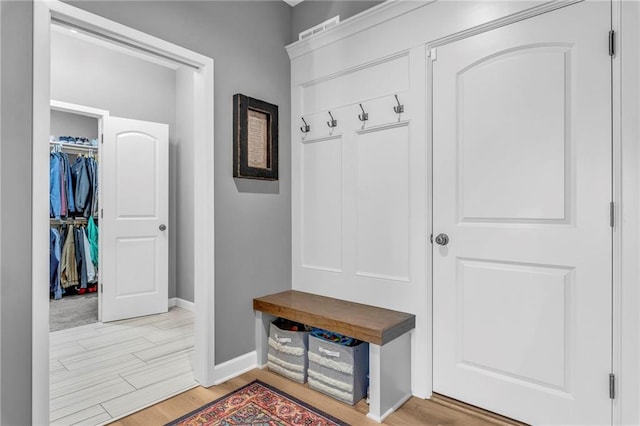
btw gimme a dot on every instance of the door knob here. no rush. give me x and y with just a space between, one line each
442 239
162 227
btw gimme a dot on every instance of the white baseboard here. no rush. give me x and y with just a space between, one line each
390 411
235 367
181 303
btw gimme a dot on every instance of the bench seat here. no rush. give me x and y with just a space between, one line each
386 331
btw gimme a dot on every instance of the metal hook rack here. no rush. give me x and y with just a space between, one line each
306 128
333 122
364 116
400 108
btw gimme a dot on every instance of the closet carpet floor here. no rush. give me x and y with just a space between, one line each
103 371
73 311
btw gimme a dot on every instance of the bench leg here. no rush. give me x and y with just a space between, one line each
389 377
262 337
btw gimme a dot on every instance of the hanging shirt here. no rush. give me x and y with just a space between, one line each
64 211
92 234
54 263
68 182
91 271
81 184
54 187
94 182
69 271
81 262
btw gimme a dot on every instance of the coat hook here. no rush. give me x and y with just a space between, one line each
364 116
333 123
306 128
400 108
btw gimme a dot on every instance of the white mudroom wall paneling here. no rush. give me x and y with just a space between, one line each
359 203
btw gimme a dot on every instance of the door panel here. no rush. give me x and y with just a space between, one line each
510 348
522 178
382 212
322 205
135 185
135 205
523 92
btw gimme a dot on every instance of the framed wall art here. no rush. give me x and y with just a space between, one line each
255 138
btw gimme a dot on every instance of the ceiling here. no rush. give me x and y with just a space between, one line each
292 2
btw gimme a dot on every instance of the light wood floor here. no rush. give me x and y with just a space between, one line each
99 372
415 412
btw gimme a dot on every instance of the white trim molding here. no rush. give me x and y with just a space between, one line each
40 224
355 24
626 232
181 303
235 367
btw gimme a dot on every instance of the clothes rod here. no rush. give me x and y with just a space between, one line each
74 147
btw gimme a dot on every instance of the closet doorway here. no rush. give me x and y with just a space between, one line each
194 115
74 215
139 350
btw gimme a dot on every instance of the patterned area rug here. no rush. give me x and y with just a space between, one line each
257 404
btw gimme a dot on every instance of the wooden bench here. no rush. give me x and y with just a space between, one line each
387 331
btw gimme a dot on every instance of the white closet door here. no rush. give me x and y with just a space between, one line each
522 186
134 187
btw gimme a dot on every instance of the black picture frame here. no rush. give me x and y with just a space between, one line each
255 138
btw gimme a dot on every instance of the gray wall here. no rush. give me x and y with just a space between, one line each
16 41
310 13
185 194
88 74
67 124
253 218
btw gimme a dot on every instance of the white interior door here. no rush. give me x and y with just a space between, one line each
134 187
522 188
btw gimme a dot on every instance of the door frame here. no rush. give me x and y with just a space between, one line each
201 91
625 133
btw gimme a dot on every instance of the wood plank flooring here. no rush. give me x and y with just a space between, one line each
415 412
100 372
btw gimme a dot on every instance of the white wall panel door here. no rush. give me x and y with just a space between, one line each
522 186
135 184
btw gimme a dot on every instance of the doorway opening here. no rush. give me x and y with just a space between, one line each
193 79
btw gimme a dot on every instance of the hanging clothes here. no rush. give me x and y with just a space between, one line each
68 184
92 277
94 185
81 261
92 234
82 185
55 186
73 192
61 197
55 252
85 182
69 268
